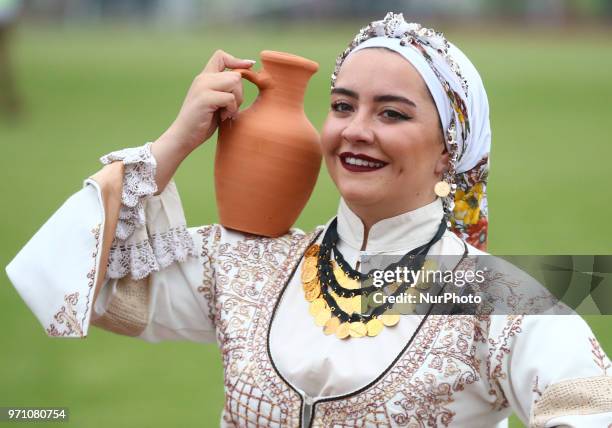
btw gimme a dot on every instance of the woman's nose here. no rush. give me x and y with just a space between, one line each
358 131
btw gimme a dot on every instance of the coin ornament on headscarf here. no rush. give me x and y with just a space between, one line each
462 106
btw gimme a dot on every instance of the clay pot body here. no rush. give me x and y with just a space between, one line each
268 158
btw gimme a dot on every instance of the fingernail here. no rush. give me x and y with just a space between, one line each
252 61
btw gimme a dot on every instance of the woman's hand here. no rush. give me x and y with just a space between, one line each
214 96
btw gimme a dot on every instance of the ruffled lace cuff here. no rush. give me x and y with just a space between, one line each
161 241
138 184
151 232
157 252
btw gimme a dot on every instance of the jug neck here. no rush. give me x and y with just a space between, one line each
288 85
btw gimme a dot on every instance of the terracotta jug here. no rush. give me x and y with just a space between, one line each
268 158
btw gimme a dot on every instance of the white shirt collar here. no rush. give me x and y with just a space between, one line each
400 233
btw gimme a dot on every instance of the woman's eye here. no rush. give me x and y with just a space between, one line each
395 115
341 106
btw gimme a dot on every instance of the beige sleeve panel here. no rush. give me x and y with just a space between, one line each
572 397
127 312
551 370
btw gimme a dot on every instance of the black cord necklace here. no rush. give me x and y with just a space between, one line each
412 260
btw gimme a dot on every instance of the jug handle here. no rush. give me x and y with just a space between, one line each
261 79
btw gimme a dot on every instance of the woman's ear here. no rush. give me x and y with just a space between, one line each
442 164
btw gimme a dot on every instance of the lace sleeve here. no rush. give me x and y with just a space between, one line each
151 231
138 184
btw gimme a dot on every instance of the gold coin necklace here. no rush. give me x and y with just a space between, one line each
335 290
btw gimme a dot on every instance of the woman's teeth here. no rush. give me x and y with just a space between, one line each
361 162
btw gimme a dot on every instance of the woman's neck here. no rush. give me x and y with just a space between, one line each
370 215
402 232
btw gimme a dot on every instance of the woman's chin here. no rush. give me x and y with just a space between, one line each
360 195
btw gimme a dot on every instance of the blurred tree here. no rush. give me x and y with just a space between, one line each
9 100
607 9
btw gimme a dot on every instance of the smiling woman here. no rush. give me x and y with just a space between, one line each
388 127
406 142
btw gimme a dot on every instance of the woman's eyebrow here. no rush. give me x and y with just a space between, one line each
347 92
377 99
394 98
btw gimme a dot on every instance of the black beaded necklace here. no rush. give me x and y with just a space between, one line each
412 260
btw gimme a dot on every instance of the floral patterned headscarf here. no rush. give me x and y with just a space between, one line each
462 105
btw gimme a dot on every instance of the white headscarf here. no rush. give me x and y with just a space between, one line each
462 105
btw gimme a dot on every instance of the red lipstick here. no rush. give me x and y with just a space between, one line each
359 162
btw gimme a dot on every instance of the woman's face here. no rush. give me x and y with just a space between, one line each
382 140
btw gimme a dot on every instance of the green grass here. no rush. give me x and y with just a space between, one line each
88 92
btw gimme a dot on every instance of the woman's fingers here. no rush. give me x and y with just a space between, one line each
222 60
224 102
227 81
215 78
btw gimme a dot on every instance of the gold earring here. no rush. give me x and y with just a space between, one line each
442 189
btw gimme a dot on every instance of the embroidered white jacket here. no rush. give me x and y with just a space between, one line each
206 284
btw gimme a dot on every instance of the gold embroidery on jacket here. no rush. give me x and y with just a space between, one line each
248 277
65 321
